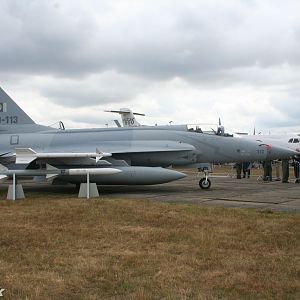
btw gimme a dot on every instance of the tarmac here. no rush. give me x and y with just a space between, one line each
226 191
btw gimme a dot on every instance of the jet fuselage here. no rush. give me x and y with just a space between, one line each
144 146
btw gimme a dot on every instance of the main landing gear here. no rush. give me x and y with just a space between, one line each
205 182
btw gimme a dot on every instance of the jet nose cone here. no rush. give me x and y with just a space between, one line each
276 152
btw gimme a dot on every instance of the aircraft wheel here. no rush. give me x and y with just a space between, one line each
204 183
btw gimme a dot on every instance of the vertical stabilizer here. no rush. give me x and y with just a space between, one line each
128 118
11 113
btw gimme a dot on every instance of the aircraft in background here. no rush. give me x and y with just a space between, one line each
135 155
128 118
291 141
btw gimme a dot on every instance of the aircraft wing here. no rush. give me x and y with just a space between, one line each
120 147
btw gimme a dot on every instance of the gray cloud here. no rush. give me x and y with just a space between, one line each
104 88
117 52
155 41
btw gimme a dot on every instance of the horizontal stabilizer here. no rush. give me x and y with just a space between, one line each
125 111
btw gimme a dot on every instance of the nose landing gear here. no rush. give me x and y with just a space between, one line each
205 182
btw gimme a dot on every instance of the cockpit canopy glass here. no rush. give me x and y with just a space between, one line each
294 140
212 129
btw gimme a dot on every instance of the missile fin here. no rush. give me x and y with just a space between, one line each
3 178
101 154
50 167
50 177
3 168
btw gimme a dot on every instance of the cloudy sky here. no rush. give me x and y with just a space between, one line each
182 61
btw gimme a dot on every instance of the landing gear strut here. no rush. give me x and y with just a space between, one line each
205 182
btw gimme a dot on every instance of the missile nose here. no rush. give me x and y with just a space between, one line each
276 152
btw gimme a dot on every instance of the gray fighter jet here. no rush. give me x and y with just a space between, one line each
118 156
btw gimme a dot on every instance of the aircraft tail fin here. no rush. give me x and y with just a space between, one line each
128 118
11 113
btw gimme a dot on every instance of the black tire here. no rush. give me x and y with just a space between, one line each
204 183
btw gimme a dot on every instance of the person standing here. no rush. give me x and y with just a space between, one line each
285 171
238 167
267 164
296 164
277 170
246 169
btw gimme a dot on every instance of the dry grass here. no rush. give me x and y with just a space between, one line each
59 248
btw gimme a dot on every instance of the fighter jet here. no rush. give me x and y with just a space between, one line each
134 155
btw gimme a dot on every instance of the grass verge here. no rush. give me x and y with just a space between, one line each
59 248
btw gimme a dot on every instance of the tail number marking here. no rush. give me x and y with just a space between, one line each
9 120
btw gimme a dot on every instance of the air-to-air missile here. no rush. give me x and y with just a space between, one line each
27 155
51 172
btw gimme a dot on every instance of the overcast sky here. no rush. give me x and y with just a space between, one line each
181 61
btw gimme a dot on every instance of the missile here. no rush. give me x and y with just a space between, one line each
28 155
52 172
79 171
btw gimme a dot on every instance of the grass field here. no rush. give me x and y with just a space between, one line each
58 248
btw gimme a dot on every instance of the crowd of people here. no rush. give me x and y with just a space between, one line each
243 170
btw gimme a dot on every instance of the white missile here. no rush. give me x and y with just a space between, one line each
28 155
52 172
78 172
